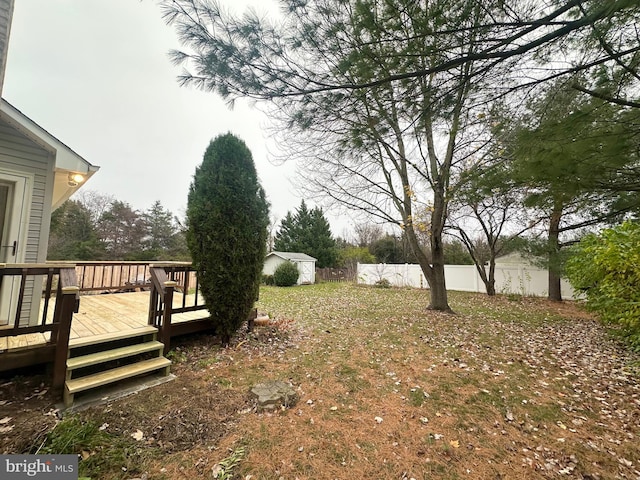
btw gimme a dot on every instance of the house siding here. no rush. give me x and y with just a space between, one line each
6 12
19 154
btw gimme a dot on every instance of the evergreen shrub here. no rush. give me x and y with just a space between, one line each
227 216
606 267
286 275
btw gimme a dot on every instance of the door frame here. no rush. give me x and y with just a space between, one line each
21 188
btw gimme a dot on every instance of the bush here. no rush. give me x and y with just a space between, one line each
383 283
227 215
286 274
606 267
267 280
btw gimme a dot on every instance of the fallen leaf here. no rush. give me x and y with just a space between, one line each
138 435
217 470
454 443
378 419
6 429
5 420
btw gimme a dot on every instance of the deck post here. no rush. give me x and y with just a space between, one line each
68 306
165 329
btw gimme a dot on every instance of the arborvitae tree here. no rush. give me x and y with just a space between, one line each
228 216
307 231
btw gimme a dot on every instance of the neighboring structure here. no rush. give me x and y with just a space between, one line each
37 174
306 265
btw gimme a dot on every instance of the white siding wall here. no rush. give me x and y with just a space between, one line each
270 264
19 154
520 279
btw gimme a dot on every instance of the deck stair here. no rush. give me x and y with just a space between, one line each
111 358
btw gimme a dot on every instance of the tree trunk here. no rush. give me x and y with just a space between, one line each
555 293
438 287
490 284
438 290
433 273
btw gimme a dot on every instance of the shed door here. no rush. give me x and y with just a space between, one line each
306 272
13 223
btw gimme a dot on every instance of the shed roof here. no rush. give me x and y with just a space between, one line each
294 257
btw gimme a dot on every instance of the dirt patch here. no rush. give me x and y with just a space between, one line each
27 413
190 411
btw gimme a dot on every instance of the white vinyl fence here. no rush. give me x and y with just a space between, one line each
518 279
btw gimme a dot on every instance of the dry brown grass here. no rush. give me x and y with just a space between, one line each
388 390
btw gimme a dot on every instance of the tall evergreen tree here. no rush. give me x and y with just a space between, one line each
307 231
72 235
122 230
163 239
228 216
571 148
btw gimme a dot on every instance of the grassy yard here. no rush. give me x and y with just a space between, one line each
504 389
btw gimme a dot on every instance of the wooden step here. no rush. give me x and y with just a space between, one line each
114 354
112 337
114 375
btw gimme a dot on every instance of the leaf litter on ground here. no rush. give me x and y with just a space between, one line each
503 389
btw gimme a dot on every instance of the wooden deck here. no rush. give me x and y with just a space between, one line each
104 314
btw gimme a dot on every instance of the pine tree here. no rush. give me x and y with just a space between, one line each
308 231
72 235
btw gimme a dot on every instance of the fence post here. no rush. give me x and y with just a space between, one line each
165 329
69 304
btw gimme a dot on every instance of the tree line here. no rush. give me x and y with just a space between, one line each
95 226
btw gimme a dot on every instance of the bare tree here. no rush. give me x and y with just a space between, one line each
380 98
367 233
96 203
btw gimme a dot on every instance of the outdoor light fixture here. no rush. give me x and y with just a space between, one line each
74 179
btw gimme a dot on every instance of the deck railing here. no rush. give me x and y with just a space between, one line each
113 276
59 287
167 279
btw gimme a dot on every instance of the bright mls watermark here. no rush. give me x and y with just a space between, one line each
50 467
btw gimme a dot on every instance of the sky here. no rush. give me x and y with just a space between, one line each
96 75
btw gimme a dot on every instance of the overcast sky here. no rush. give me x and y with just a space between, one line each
96 75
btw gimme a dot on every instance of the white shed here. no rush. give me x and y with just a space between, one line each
306 265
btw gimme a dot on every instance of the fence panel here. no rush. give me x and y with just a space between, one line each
517 279
335 274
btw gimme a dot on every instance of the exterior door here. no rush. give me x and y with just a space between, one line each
306 270
13 224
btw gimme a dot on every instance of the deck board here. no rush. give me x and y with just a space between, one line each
104 314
